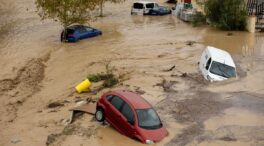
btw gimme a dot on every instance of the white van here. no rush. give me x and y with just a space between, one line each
217 65
143 7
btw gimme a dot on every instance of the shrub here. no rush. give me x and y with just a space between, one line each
99 77
227 14
110 82
108 77
198 19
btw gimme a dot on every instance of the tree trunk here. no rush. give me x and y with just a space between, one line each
101 8
64 34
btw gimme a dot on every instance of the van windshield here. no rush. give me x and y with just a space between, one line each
148 119
222 70
138 6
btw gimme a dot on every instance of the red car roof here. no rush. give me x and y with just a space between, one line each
135 100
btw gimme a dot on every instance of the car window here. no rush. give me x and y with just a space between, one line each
70 31
109 97
208 64
88 29
223 70
148 119
150 6
117 102
138 6
128 113
82 29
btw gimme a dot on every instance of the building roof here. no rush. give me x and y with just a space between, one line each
133 99
220 56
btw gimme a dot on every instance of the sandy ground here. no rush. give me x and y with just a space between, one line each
36 70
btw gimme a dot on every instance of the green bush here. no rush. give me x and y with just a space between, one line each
227 14
198 19
110 82
99 77
108 77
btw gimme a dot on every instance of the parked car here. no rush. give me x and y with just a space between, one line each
131 115
149 8
217 65
160 10
74 33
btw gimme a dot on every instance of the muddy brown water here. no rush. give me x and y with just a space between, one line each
36 69
235 42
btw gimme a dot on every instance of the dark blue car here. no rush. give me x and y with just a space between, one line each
160 10
74 33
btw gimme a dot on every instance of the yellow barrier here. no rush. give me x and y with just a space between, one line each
83 86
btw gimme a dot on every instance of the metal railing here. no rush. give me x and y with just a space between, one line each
256 8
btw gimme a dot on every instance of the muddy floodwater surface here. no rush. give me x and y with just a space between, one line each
155 56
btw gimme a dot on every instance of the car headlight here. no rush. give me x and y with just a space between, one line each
209 78
149 141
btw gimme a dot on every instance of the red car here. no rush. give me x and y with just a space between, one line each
131 115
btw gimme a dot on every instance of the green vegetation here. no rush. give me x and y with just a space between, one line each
108 77
198 19
227 14
102 2
99 77
66 12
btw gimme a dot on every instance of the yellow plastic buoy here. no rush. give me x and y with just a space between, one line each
83 86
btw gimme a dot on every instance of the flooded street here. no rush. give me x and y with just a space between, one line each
37 69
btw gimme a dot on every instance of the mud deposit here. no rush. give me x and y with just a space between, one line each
24 85
153 56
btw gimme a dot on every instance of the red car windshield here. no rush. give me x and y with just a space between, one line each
148 119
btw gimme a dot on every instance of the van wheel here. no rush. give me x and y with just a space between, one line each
99 115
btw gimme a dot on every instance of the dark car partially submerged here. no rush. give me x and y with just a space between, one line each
160 10
149 8
74 33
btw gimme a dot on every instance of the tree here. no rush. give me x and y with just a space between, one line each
227 14
66 11
101 4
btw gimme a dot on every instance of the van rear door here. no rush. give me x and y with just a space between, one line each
138 8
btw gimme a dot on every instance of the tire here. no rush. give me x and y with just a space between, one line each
99 115
62 37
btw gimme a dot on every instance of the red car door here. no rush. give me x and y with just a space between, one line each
113 114
127 119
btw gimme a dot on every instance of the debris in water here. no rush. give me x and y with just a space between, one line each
139 91
170 69
227 138
167 85
51 139
83 86
190 43
14 141
85 108
55 104
184 75
229 34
